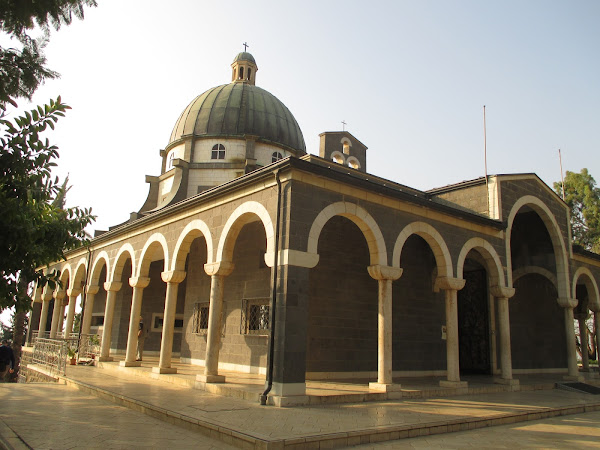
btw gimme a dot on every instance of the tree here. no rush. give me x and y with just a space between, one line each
583 197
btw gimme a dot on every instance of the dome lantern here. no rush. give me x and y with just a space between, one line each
244 68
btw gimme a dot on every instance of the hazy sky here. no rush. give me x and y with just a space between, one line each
409 78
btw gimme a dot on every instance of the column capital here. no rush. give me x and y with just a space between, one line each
139 282
380 272
59 295
73 292
502 291
92 289
113 285
448 284
581 316
567 302
173 276
222 268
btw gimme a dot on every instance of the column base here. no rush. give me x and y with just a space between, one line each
508 382
210 378
573 378
384 387
164 370
130 363
105 358
292 400
453 384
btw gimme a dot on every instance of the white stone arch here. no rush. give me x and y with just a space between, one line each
155 248
490 256
365 222
242 215
338 157
79 274
193 230
100 260
126 251
66 277
436 243
521 272
353 162
590 284
558 244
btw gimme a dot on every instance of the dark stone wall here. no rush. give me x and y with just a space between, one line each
473 198
342 311
418 312
537 325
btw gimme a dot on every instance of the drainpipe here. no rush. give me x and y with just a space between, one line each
263 397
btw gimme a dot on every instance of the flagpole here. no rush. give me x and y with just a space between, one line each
562 178
485 162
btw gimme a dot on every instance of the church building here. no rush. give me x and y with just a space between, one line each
251 255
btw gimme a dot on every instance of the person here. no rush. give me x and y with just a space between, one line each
7 360
141 339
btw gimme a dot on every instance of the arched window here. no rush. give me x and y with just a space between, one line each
170 161
241 73
218 152
249 73
276 156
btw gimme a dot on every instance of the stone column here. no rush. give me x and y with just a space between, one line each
43 316
172 278
217 272
86 322
72 294
111 288
384 275
583 337
138 284
569 304
597 322
56 312
451 286
502 294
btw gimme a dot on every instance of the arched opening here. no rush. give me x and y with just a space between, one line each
537 325
342 309
418 312
474 318
241 73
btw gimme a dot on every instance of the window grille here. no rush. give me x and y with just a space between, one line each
200 320
255 316
276 156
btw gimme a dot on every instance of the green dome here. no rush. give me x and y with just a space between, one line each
244 56
238 109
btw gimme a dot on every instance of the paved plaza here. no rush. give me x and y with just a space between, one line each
113 409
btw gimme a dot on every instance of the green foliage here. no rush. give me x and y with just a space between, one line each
35 230
583 197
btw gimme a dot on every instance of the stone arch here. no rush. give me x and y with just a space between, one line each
243 215
353 162
489 254
590 284
537 270
79 274
155 245
338 157
65 278
436 243
125 252
193 230
560 249
361 218
101 260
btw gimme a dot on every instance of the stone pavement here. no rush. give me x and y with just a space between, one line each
247 424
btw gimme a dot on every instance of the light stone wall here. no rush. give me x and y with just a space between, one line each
235 149
177 152
264 152
209 177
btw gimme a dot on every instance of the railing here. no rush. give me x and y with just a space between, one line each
52 354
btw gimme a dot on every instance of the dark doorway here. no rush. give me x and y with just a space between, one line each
473 324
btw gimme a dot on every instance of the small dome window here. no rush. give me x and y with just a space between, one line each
276 156
241 73
170 160
218 152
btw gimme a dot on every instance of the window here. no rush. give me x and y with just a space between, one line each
157 323
276 156
241 73
255 316
170 161
218 152
200 319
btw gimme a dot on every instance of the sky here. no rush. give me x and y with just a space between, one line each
409 78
